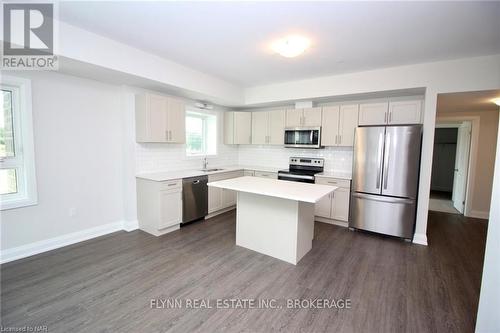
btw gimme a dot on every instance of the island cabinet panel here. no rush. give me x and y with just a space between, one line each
159 118
221 199
237 128
159 205
335 206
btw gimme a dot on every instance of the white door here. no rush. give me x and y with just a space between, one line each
157 118
312 117
405 112
373 113
276 127
176 121
170 208
461 166
259 128
323 207
348 122
330 126
243 128
294 117
340 204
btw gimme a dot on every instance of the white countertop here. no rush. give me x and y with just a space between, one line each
276 188
334 174
179 174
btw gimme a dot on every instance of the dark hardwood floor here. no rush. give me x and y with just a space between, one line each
106 284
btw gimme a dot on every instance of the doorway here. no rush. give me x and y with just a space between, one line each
450 167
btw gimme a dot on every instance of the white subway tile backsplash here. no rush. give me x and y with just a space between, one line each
337 159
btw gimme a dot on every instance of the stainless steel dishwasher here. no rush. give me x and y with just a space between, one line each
194 198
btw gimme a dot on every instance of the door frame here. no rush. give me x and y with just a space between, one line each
443 121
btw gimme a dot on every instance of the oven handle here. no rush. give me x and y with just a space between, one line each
295 176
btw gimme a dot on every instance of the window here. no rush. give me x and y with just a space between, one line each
201 134
17 165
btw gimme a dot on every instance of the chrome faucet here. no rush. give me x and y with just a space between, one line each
205 162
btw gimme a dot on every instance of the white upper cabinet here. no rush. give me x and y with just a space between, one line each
159 119
373 113
330 126
276 127
310 117
294 117
268 127
398 112
348 121
338 125
237 128
405 112
260 127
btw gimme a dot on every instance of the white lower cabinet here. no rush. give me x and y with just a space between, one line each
334 206
249 173
219 199
159 205
264 174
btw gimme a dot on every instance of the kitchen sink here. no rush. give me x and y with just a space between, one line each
211 170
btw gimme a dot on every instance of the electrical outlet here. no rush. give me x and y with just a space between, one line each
72 212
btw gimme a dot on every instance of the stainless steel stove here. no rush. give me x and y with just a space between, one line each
302 169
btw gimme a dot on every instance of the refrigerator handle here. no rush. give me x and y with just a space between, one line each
379 168
381 198
386 157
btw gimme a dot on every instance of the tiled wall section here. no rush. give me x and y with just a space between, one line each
338 159
154 157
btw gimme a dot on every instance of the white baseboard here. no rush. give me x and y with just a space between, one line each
222 211
28 250
331 221
478 214
130 225
420 239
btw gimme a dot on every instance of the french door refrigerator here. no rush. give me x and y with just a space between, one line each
385 179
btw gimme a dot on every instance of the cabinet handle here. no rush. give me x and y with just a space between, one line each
332 182
390 116
385 117
166 135
340 139
173 184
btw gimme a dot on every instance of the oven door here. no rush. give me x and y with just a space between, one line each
303 137
296 177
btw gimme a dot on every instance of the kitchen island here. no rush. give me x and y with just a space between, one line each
275 217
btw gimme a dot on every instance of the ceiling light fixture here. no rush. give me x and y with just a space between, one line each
291 46
496 101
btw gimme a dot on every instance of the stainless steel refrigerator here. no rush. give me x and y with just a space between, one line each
385 179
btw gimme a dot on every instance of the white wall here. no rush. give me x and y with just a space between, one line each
78 133
488 320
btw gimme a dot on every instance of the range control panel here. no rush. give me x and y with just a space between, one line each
305 161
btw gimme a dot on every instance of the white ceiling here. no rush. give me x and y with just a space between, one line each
468 101
230 39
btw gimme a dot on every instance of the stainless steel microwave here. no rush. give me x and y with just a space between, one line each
303 137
